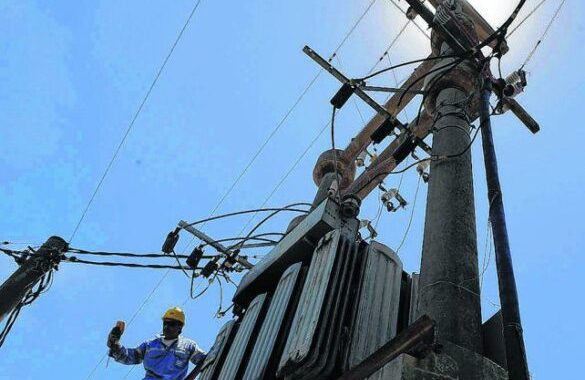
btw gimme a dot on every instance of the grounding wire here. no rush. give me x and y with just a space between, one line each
134 118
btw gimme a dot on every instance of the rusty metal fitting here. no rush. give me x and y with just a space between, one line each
464 77
326 164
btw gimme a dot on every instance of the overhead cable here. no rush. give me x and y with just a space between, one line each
530 14
292 108
287 208
550 24
74 259
133 120
413 21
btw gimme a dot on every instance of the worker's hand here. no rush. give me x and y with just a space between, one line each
115 334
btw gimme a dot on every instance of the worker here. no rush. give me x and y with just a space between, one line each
165 357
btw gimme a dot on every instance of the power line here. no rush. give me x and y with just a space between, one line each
253 211
232 186
327 125
532 12
390 46
134 118
291 169
414 22
291 109
193 10
74 259
551 22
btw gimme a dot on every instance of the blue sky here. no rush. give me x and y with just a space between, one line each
74 73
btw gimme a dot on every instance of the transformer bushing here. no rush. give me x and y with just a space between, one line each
326 164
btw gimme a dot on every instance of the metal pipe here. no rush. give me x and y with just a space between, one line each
513 335
420 332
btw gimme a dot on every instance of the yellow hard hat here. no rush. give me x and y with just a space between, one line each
175 313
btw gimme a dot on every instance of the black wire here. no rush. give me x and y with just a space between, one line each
406 64
434 82
258 226
74 259
135 117
32 295
180 265
250 212
238 245
201 292
255 237
434 70
501 31
125 254
9 324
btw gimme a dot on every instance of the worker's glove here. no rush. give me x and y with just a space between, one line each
114 337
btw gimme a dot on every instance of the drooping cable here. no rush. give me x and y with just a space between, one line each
407 63
287 207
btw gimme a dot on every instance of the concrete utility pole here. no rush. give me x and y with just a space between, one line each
449 281
29 273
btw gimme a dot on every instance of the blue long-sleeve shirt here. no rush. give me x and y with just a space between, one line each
161 362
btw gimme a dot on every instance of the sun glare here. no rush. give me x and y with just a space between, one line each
494 11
